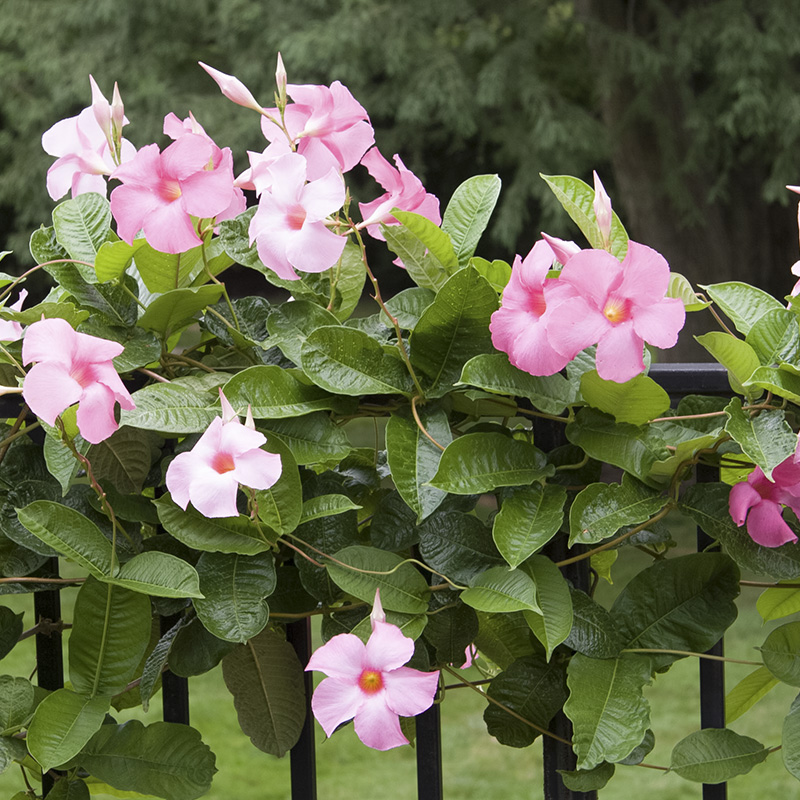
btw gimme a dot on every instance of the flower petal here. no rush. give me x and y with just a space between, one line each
52 340
334 702
213 494
766 526
342 656
388 648
741 499
408 691
377 725
95 418
257 469
48 389
620 354
314 248
659 324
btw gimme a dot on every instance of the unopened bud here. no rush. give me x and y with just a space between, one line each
602 211
101 110
117 111
377 614
232 88
280 80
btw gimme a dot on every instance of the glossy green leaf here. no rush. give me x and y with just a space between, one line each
765 438
195 650
467 214
607 707
781 653
123 459
314 438
593 631
155 664
176 309
782 381
12 750
738 357
601 509
234 588
63 723
588 780
407 306
70 533
636 401
527 520
748 692
159 575
777 602
402 587
436 240
10 631
743 304
680 287
503 638
452 330
480 462
426 271
81 226
290 324
450 631
791 740
326 505
266 681
16 700
163 272
280 507
552 625
170 408
776 337
109 637
500 590
715 755
113 258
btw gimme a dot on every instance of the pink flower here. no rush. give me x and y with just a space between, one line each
11 331
226 455
618 306
519 326
602 210
162 192
404 190
85 147
563 249
288 227
759 501
329 126
368 683
232 88
258 178
72 368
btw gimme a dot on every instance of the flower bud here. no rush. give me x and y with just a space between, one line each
280 80
602 211
232 88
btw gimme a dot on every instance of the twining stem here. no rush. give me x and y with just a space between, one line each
419 422
15 431
721 323
8 289
13 360
216 280
531 413
614 542
691 653
762 585
317 611
45 626
59 581
755 407
154 375
190 361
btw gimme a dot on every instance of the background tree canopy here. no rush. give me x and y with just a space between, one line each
690 111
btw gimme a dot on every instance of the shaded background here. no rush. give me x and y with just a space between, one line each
690 111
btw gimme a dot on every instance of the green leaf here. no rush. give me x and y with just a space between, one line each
63 723
680 287
715 755
175 309
493 372
170 408
601 509
503 638
44 247
81 226
609 713
234 588
10 630
113 258
577 199
163 272
407 306
436 240
500 590
281 506
16 700
426 271
743 304
683 603
109 637
467 214
480 462
413 458
266 681
195 651
450 631
497 272
766 438
776 337
527 520
783 381
290 324
159 575
12 750
276 393
748 692
164 759
593 631
313 439
349 361
155 663
533 689
777 602
66 789
70 533
115 302
738 357
636 401
222 535
587 780
452 330
402 587
791 740
350 272
123 459
552 625
781 653
326 505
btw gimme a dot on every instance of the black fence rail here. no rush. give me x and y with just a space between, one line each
678 380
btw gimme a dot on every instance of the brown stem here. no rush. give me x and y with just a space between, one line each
419 422
6 443
762 585
60 581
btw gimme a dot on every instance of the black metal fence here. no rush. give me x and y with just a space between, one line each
678 380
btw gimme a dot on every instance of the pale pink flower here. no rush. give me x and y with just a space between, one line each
288 227
404 190
618 306
226 455
602 210
519 326
11 331
759 501
258 178
232 88
328 125
369 684
73 367
162 192
84 147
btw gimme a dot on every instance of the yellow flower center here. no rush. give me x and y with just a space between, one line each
370 681
617 309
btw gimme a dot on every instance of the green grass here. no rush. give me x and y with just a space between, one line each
475 766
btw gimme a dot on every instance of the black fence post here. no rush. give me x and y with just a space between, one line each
430 785
303 765
174 688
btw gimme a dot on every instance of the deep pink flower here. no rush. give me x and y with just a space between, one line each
759 501
11 331
369 684
404 190
288 227
329 126
73 367
618 306
519 326
161 192
84 147
226 455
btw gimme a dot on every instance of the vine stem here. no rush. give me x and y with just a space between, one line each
419 422
15 432
589 553
59 581
692 653
707 415
762 585
8 289
542 415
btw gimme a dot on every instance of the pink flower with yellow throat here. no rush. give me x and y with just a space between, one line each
369 684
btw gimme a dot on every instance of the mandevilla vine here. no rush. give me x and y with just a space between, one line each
436 449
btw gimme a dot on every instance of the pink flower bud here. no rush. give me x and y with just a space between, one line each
602 210
280 80
232 88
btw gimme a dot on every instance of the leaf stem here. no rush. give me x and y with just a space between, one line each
691 653
419 422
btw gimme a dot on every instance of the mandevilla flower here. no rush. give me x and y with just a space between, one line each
369 684
759 501
226 455
10 331
73 367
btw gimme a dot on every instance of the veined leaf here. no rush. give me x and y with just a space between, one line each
501 590
636 401
468 212
715 755
743 304
766 438
748 692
